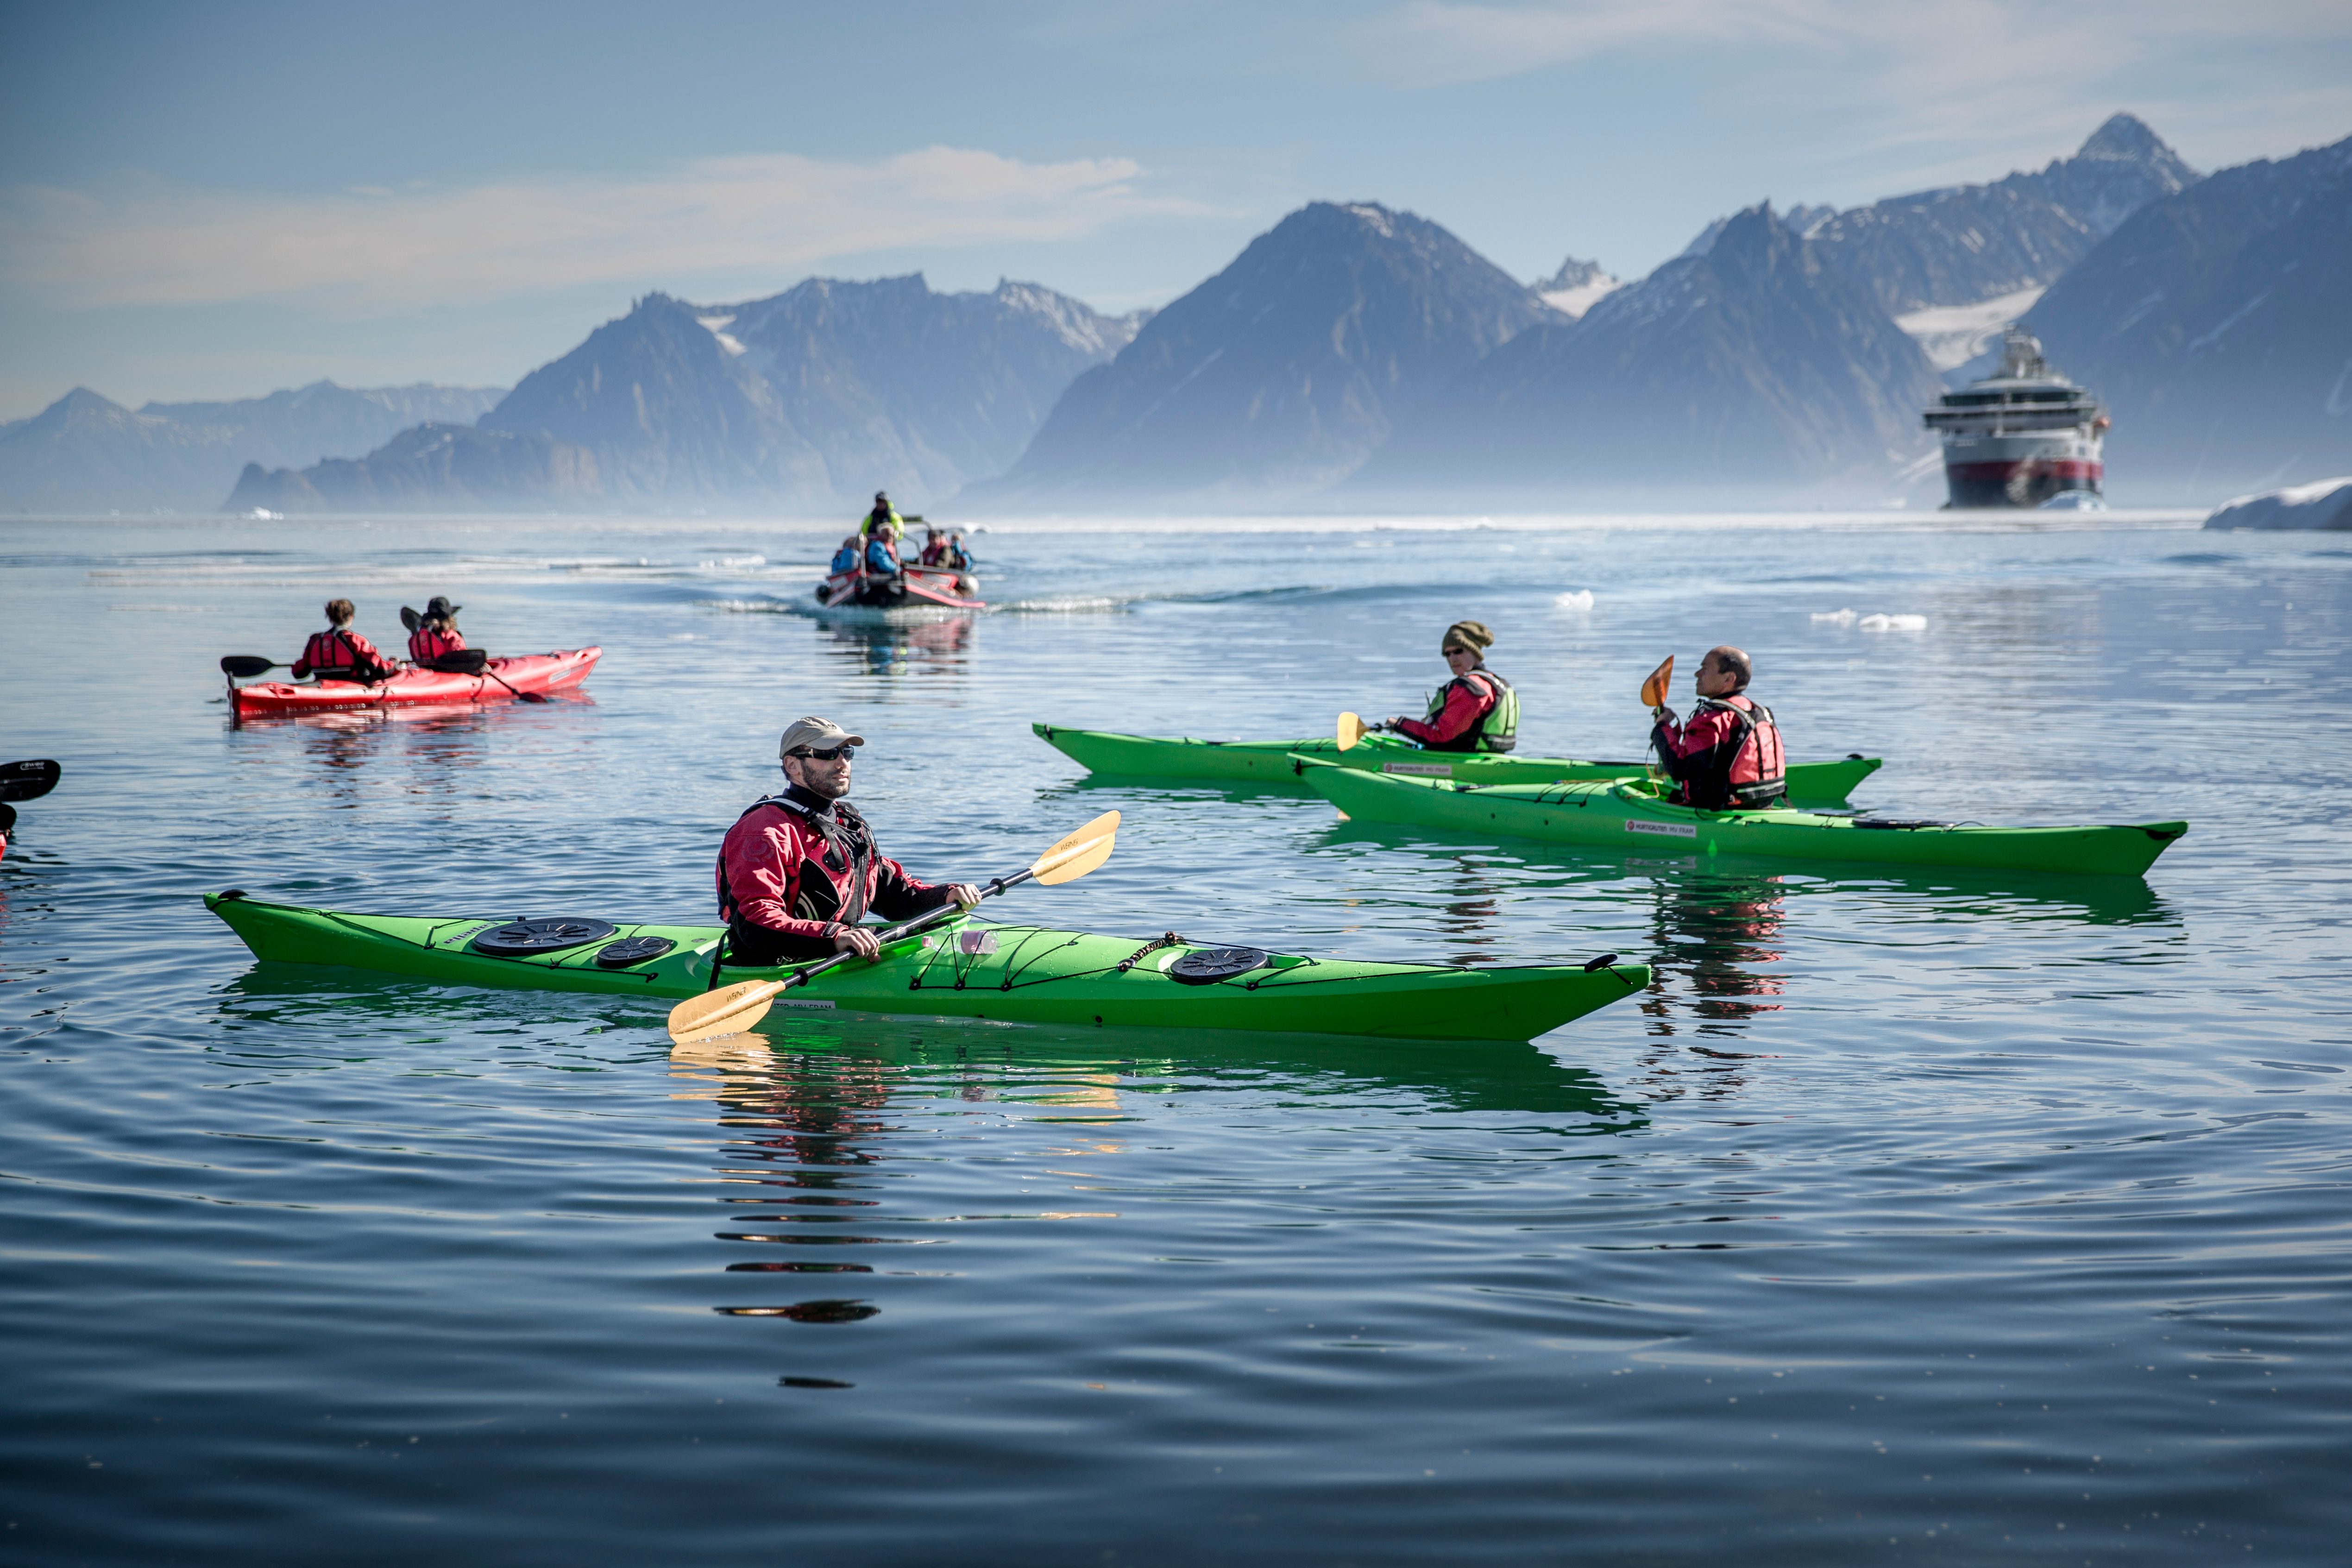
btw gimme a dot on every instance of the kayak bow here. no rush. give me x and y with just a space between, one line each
965 968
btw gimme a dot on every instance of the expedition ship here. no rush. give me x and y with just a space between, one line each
2024 436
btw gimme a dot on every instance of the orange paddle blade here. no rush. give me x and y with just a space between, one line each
1351 732
729 1010
1660 683
1079 853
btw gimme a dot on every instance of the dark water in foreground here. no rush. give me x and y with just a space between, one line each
1909 1218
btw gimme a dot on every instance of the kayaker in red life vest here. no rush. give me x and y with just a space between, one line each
340 653
437 632
1474 712
799 871
1726 756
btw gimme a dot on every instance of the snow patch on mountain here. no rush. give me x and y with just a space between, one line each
1952 336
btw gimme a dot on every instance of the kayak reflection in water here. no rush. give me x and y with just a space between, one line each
1726 756
1474 712
799 871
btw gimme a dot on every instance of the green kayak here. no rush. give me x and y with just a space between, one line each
1629 814
1267 762
964 968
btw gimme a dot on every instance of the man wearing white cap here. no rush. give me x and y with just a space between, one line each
799 872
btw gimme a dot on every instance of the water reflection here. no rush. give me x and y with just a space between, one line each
1718 935
927 647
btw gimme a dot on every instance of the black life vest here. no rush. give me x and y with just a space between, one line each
1497 729
849 848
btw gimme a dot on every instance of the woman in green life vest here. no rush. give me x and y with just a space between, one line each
1474 712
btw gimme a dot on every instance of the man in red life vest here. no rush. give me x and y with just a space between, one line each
1726 756
799 872
340 653
1474 712
437 632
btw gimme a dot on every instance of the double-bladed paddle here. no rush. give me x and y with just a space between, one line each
474 661
245 666
732 1009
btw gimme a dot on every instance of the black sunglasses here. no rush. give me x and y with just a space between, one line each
829 755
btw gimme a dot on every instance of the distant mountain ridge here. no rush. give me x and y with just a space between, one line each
1280 374
811 398
89 453
2216 324
1961 244
1754 363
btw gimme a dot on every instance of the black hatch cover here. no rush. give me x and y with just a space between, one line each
1211 965
530 939
631 950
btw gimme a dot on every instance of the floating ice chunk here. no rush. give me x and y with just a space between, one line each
1835 617
1892 623
1574 599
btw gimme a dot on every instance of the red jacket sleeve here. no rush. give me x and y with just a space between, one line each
1461 711
761 864
1703 733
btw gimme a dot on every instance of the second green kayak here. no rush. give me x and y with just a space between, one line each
965 968
1629 814
1267 762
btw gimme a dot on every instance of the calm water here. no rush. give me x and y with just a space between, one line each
1913 1219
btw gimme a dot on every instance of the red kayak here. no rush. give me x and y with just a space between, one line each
537 672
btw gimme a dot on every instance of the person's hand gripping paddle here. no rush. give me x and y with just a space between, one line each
732 1009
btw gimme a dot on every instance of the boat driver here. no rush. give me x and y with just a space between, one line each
1474 712
883 516
1726 756
799 871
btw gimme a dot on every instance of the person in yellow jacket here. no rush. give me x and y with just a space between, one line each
883 518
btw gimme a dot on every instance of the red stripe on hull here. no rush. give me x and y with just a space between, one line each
2056 468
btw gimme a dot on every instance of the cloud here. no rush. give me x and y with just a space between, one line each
1950 68
769 212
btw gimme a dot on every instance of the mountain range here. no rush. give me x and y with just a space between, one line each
810 399
1280 374
2216 324
1753 364
1358 355
87 453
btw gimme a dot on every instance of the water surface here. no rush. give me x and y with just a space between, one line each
1930 1218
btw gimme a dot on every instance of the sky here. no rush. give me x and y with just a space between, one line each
214 201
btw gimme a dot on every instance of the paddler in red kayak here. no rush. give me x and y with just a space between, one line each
437 632
1474 712
340 653
1726 756
799 871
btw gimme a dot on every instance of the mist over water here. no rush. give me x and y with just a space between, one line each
1937 1217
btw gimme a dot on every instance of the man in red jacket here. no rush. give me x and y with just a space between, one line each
799 871
1726 756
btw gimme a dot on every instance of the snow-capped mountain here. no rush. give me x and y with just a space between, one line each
2216 324
1576 286
1279 374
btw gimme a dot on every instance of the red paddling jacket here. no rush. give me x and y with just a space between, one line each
1726 757
796 869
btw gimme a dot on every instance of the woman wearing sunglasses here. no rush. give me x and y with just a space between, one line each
799 872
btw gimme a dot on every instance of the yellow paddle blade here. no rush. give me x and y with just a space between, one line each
1351 732
1660 683
729 1010
1078 854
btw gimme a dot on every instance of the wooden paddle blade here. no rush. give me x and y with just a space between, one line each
729 1010
1079 853
1660 685
1351 732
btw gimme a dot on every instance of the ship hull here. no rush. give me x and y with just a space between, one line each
2021 471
